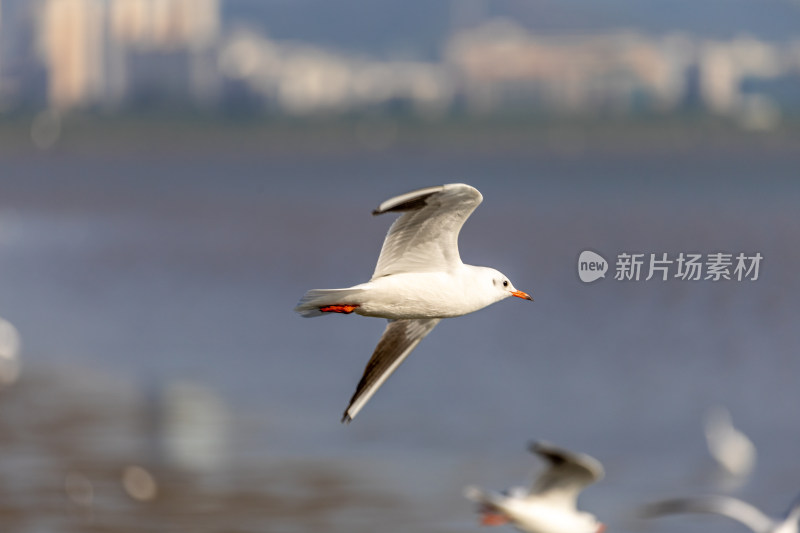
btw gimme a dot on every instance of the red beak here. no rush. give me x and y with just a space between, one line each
520 294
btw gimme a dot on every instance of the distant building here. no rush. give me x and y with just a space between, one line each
719 78
22 75
165 24
502 64
302 79
166 49
71 44
113 52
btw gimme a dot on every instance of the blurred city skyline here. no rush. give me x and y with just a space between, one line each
395 27
467 56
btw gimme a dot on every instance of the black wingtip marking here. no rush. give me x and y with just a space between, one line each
553 455
346 418
410 205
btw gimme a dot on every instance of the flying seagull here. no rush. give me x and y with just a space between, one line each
731 507
419 279
550 504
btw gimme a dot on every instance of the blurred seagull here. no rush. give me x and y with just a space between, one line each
733 452
732 508
9 353
419 279
550 505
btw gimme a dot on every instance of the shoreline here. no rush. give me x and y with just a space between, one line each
568 137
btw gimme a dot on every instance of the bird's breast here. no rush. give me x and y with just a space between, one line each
539 517
417 295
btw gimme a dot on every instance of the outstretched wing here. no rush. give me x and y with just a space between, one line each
398 340
425 237
566 476
722 505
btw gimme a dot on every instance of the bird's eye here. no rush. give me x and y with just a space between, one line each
505 283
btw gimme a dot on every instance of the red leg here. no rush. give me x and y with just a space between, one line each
343 308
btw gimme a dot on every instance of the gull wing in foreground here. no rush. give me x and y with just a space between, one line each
398 340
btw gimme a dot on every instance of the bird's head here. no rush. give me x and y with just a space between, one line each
502 285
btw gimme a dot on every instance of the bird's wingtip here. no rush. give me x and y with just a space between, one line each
539 446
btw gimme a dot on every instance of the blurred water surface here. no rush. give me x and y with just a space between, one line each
154 291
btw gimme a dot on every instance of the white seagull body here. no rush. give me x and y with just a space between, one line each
733 508
419 279
550 505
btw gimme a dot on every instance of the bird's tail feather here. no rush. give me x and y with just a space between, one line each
311 302
479 495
